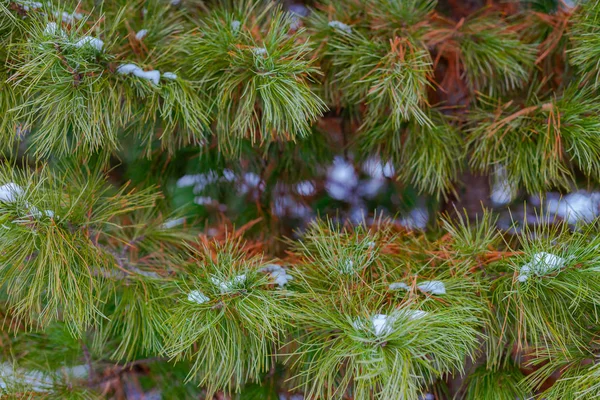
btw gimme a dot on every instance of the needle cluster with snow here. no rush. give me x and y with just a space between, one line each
196 296
11 192
229 285
433 287
541 264
341 26
278 273
152 75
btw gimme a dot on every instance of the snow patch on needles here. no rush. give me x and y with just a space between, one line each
228 286
197 296
278 273
576 207
141 34
30 5
541 264
379 324
172 223
382 324
51 29
90 41
68 18
398 286
259 51
10 192
235 25
340 26
153 75
38 381
433 287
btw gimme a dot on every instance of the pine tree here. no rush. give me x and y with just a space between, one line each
256 200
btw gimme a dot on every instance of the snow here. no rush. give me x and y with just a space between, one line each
126 69
379 324
278 273
341 179
284 205
417 218
541 264
382 324
141 34
305 188
415 314
30 5
235 25
172 223
153 75
347 266
68 18
259 51
297 11
249 182
575 207
203 200
51 28
228 175
503 192
340 26
377 170
90 41
370 187
170 75
229 285
10 192
398 286
433 287
197 296
37 381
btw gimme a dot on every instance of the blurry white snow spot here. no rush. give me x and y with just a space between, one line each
172 223
341 179
203 200
259 51
170 75
503 191
575 207
417 218
305 188
398 286
341 26
141 34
